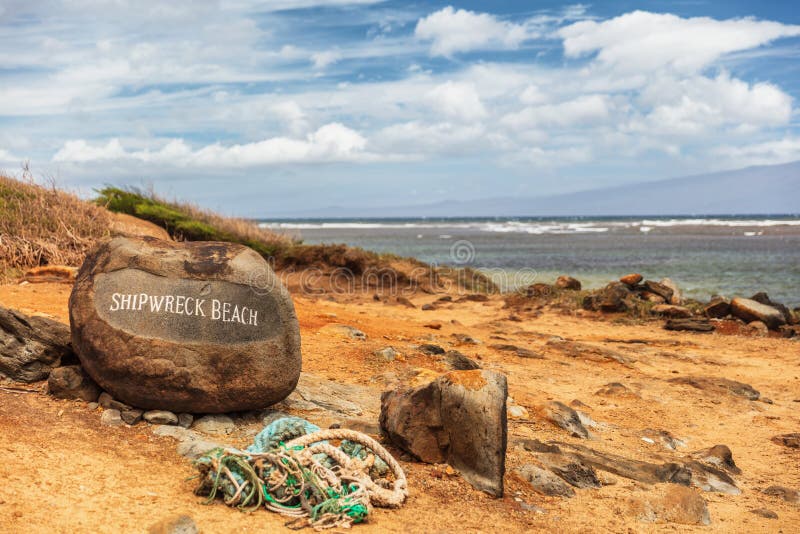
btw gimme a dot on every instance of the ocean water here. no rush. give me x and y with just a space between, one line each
704 256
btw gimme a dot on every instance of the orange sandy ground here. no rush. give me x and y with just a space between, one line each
63 472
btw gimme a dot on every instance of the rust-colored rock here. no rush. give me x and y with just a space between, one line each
198 327
631 279
568 282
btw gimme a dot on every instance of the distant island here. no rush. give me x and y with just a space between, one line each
769 189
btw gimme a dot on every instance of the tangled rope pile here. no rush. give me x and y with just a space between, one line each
318 484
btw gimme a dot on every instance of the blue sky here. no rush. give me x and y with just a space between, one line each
267 108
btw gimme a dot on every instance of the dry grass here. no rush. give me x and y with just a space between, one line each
44 226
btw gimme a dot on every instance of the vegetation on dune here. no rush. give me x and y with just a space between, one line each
188 222
44 226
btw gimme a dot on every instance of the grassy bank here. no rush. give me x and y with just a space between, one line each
45 226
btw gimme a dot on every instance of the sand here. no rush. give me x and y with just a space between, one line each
64 472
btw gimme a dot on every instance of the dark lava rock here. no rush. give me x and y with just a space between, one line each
750 310
718 308
565 417
567 282
659 289
671 310
430 349
31 346
692 325
519 351
612 298
763 298
787 494
719 456
458 362
459 418
71 382
571 469
539 290
405 302
788 440
764 512
715 384
191 327
544 481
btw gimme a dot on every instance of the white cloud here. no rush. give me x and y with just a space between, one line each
457 100
782 150
460 30
641 41
7 157
323 59
330 143
417 137
585 109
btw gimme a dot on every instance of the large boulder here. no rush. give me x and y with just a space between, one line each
199 327
30 347
459 418
750 310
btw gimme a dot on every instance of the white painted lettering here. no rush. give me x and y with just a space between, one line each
198 307
169 302
180 302
114 302
215 313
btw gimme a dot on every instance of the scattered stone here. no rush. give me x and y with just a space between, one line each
663 291
676 298
763 298
612 298
477 297
107 401
345 331
428 307
651 297
789 331
180 524
160 417
464 339
718 308
132 416
565 417
665 439
519 351
71 382
719 456
764 512
405 302
534 445
111 417
431 349
670 504
750 310
214 424
186 326
759 328
314 393
693 325
671 310
787 494
185 420
544 481
616 389
568 282
788 440
433 326
387 353
458 362
631 279
708 383
575 349
93 406
445 298
571 469
194 449
459 418
31 346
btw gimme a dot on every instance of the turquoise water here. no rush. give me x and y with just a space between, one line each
705 256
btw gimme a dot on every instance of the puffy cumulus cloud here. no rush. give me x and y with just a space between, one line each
451 31
8 157
643 41
325 58
330 143
782 150
414 138
586 109
457 100
697 105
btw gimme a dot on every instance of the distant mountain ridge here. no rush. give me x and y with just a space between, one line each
771 189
